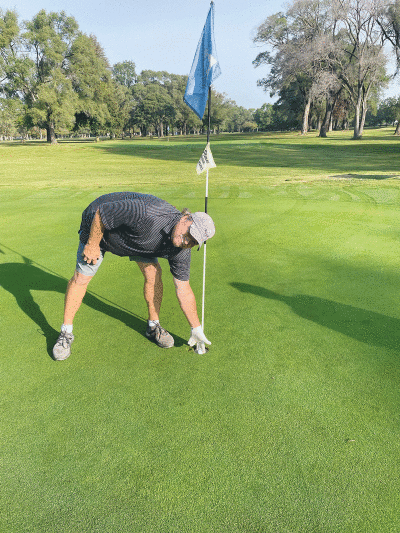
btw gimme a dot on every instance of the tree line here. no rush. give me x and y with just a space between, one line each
326 65
327 59
57 79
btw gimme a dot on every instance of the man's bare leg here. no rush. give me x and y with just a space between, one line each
76 290
153 293
153 288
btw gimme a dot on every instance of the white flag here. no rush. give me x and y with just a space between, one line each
206 160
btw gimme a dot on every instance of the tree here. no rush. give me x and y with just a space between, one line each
299 49
184 116
327 89
220 107
328 49
388 18
124 73
90 74
389 22
154 105
11 115
119 104
388 112
47 89
360 60
9 49
264 117
124 77
184 119
240 118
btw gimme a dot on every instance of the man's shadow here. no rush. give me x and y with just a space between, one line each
364 326
20 279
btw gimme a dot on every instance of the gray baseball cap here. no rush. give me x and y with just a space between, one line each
202 228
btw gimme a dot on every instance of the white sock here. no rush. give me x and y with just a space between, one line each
66 328
152 323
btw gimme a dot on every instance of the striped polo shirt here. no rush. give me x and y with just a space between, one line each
138 224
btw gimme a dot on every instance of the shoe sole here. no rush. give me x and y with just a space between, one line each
62 358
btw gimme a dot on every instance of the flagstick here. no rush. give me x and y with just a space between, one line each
205 69
204 288
204 265
208 139
200 345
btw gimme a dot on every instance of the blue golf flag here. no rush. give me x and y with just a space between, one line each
205 68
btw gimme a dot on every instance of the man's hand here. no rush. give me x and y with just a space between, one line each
91 254
197 336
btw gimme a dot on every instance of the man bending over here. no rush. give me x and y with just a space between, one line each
144 228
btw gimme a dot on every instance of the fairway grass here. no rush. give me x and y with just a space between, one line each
289 424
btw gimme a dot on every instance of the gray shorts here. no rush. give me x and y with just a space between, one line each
90 270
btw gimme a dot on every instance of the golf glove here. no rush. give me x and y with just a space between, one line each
196 336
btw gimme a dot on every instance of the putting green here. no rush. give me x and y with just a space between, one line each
288 424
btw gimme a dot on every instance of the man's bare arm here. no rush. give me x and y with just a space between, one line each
187 301
91 252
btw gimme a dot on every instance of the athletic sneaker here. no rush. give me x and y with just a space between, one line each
62 348
160 336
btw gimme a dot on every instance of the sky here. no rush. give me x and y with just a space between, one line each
163 35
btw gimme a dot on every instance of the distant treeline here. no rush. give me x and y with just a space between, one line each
57 81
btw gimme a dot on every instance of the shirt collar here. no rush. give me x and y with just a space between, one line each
167 230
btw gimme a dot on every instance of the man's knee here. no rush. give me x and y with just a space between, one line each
80 279
151 271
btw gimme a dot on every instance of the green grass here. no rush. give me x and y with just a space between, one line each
288 425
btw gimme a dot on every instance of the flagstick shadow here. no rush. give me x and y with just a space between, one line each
369 327
19 279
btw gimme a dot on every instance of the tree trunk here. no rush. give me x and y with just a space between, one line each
357 119
327 119
304 128
397 130
51 134
363 115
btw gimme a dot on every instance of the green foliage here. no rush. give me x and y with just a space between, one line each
14 67
55 102
91 78
265 118
49 93
159 103
125 73
12 113
119 105
387 113
64 81
154 105
61 75
9 31
330 50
